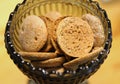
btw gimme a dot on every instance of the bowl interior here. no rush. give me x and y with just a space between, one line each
41 7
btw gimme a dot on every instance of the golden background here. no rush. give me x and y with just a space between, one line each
109 73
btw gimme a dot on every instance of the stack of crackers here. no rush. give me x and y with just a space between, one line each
56 42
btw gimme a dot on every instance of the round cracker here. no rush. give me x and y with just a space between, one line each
38 55
97 28
55 62
32 34
49 26
73 64
74 36
53 35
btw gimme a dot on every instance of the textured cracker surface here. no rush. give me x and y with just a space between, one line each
74 36
33 33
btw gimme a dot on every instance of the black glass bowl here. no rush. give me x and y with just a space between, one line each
65 7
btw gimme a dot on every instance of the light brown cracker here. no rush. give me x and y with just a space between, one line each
55 62
38 55
49 26
74 36
32 34
56 47
73 64
56 23
97 28
53 35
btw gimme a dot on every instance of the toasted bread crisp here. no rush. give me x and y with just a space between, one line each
56 42
97 28
38 55
53 35
73 64
32 34
74 36
55 62
49 25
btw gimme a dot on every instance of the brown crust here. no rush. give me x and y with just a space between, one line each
32 34
56 23
56 47
97 27
73 64
55 62
49 25
38 55
53 35
74 36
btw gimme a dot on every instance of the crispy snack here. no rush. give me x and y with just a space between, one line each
56 47
38 55
56 23
55 62
49 25
47 47
53 35
97 28
74 36
73 64
62 42
32 34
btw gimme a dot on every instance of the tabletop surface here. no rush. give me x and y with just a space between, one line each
109 72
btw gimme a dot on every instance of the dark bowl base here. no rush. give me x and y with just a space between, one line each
33 82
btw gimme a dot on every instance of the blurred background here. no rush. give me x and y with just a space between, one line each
109 72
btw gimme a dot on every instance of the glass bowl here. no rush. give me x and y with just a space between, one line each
66 8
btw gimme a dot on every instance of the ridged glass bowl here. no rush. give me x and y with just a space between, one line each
66 8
